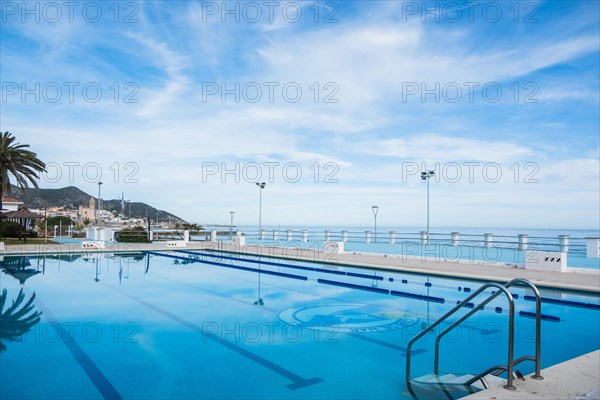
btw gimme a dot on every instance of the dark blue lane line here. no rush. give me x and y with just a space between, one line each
267 308
99 380
260 271
564 302
248 260
278 264
323 281
353 286
357 275
417 296
545 317
298 382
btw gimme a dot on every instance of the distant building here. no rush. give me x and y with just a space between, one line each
10 204
88 212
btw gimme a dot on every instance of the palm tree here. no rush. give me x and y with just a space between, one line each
17 319
18 162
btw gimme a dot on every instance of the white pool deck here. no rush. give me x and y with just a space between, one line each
578 378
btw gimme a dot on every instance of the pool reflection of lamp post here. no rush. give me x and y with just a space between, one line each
375 210
97 270
426 176
231 213
261 186
260 301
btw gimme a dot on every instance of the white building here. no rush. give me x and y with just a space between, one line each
10 204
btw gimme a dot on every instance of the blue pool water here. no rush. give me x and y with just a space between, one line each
181 325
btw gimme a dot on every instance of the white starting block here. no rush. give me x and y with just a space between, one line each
2 247
95 245
545 261
176 243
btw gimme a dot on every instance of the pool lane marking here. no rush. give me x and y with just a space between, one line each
375 341
298 382
401 349
261 271
100 381
278 264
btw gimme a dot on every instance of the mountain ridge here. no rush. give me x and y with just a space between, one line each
72 197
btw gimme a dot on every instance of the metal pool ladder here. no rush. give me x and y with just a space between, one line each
496 369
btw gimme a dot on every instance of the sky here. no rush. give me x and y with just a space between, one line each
336 106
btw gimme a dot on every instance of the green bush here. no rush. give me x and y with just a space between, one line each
137 234
10 229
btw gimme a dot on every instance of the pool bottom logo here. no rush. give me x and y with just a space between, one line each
346 317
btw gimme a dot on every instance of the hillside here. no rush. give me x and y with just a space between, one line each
72 197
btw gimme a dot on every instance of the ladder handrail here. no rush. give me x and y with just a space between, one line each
509 368
482 304
496 370
538 323
458 307
436 359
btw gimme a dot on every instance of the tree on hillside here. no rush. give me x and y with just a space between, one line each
19 163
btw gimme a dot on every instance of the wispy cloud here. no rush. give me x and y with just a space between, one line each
371 128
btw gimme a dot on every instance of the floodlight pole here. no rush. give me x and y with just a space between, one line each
426 176
261 186
375 210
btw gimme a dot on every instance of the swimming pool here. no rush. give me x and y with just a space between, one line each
208 325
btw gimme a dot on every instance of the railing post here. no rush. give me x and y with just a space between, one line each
275 234
344 236
488 239
592 247
261 234
367 236
289 235
455 238
327 235
424 238
305 235
523 239
563 241
392 237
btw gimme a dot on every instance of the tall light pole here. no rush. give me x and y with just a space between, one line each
375 210
98 206
426 176
261 186
231 213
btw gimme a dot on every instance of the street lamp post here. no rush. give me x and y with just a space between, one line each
261 186
46 224
375 210
231 213
426 176
98 206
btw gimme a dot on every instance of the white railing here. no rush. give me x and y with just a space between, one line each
521 242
